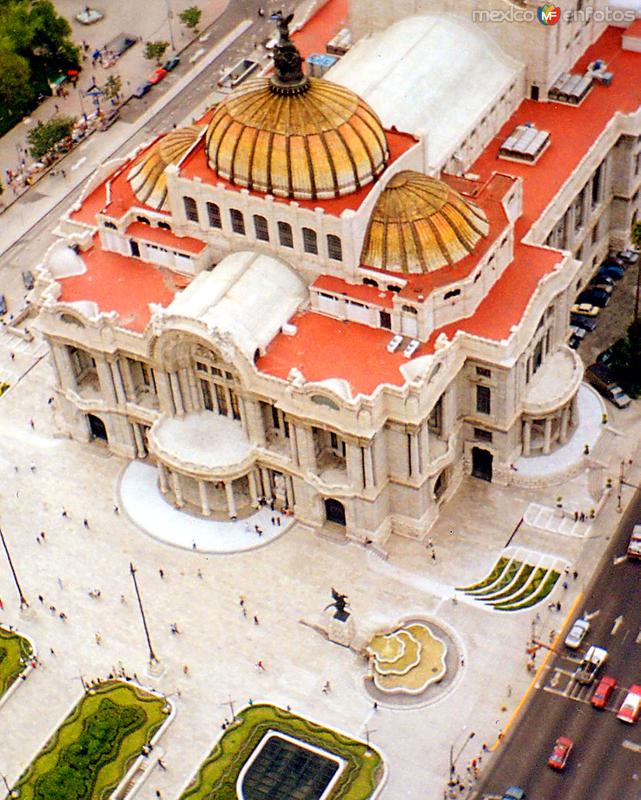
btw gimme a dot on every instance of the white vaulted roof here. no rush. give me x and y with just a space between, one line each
248 295
433 75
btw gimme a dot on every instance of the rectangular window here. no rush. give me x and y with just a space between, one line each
483 400
483 372
482 435
310 241
237 221
206 393
334 247
275 417
260 228
235 408
285 235
213 213
221 399
191 209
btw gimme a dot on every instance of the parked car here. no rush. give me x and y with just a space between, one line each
605 356
610 271
615 260
157 75
595 297
604 282
171 64
603 691
631 706
560 753
601 378
27 280
581 321
628 256
142 90
3 305
585 309
634 545
577 335
513 793
592 662
577 634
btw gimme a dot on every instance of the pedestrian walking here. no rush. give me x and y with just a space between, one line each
42 536
158 794
186 669
63 616
52 609
60 583
116 510
575 574
162 574
52 651
326 687
433 556
256 622
260 666
565 584
375 705
193 545
38 540
199 574
241 601
85 523
161 764
63 513
98 638
1 605
558 605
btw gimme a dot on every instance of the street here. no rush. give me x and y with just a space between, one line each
605 761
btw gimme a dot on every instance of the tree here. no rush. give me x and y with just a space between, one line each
112 87
17 94
190 17
635 236
46 135
156 50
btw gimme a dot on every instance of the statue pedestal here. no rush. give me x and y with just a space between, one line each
154 670
341 629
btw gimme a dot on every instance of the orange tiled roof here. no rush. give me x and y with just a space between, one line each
148 233
359 291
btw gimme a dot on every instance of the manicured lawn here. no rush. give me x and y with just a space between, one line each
89 754
216 779
14 653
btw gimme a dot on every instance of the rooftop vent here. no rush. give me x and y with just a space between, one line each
571 88
525 143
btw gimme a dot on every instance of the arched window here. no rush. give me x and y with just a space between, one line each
409 309
165 226
370 282
334 247
144 220
237 221
261 228
285 235
451 293
191 209
213 213
111 225
310 241
392 288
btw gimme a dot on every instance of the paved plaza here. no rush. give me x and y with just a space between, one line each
285 583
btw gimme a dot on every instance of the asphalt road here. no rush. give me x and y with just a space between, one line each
606 762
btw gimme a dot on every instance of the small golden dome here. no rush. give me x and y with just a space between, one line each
147 177
318 140
420 224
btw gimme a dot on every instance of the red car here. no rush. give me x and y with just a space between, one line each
157 75
603 691
630 707
561 752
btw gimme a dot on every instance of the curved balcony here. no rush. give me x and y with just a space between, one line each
555 384
202 444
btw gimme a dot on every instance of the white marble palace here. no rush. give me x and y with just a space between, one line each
348 292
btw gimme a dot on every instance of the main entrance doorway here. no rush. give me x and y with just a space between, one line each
482 463
334 511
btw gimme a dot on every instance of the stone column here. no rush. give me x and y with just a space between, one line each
425 443
119 386
165 399
527 436
416 464
140 442
547 434
254 422
354 469
204 500
108 390
369 467
130 386
175 391
62 364
230 408
264 473
565 423
289 487
306 453
175 483
253 488
231 500
162 475
185 389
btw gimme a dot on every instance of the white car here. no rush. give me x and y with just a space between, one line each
577 634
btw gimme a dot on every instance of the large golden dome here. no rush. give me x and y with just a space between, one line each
147 177
322 142
420 224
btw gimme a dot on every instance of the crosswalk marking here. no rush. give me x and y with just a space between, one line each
14 344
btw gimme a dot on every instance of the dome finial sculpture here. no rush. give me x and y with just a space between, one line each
288 77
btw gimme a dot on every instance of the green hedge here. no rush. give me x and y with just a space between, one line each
489 580
216 778
91 751
15 652
523 575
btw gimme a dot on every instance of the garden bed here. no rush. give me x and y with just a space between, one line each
15 652
91 751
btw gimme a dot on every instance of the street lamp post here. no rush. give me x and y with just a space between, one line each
153 660
23 600
170 15
455 758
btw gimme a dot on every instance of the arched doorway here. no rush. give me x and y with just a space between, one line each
96 427
334 511
482 463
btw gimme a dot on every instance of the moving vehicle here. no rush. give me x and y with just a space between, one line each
581 321
585 309
603 691
587 670
601 378
560 753
171 64
237 74
157 75
611 271
595 296
513 793
577 634
634 545
27 279
142 90
3 304
631 706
